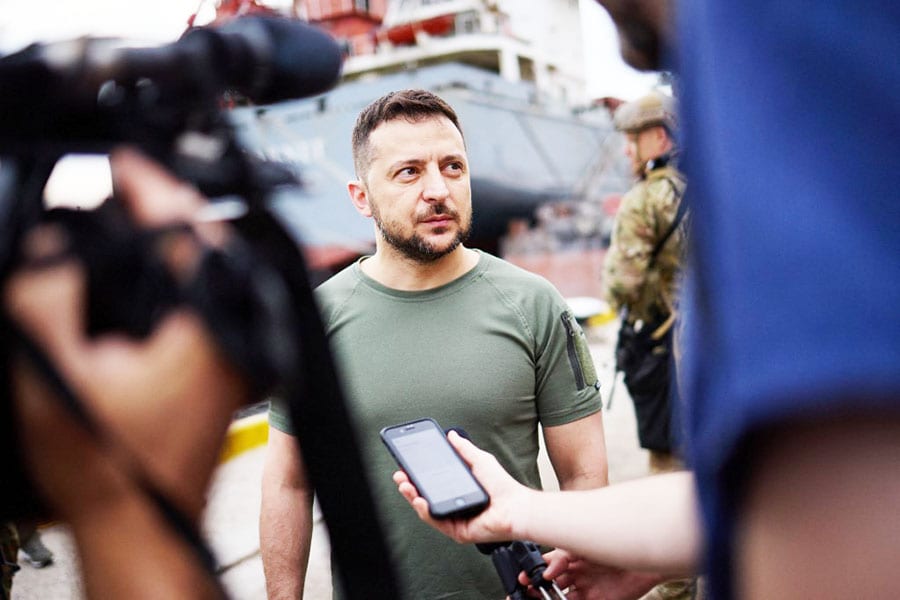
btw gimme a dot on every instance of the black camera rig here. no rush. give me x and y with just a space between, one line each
89 96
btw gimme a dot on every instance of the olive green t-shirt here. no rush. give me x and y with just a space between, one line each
494 352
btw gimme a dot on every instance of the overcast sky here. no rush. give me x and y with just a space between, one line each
606 72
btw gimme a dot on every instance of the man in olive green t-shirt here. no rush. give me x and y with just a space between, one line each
426 327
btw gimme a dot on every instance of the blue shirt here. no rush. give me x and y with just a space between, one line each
791 112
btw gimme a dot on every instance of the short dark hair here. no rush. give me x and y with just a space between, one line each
412 105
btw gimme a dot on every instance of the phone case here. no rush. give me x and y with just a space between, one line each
440 475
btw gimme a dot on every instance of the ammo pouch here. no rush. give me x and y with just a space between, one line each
644 355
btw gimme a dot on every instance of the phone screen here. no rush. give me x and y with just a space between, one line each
437 471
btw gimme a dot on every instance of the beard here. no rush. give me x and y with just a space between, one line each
637 169
414 246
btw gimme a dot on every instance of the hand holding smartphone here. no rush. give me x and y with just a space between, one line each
440 475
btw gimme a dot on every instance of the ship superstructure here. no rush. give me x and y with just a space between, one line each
539 42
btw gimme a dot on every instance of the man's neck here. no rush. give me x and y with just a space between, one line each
399 272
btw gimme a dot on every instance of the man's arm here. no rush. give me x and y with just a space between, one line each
285 520
578 454
577 451
649 524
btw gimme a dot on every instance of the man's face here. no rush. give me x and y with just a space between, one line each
645 145
417 188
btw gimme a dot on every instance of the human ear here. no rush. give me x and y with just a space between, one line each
360 197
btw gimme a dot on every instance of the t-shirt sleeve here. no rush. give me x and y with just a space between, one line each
567 388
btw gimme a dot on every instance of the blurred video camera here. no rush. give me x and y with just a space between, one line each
90 95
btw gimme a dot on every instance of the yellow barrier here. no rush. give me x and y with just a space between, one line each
245 434
601 318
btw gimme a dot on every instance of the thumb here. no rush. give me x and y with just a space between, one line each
466 449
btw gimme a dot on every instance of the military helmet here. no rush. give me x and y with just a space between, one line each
653 109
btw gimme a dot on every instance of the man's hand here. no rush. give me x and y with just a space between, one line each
590 581
166 400
508 499
163 404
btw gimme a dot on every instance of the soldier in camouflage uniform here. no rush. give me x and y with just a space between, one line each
646 213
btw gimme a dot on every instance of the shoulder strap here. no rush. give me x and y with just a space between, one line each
679 214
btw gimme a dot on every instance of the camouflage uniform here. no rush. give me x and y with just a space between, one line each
646 213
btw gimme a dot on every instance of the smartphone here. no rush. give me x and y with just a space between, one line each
422 449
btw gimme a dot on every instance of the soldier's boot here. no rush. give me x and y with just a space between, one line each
37 554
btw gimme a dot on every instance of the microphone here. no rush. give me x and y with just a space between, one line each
266 59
